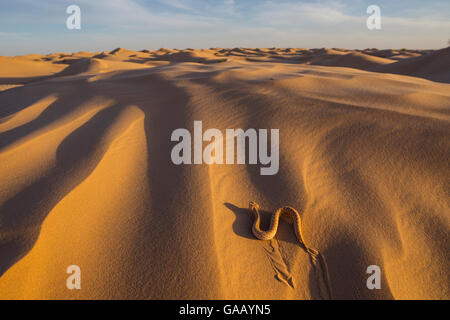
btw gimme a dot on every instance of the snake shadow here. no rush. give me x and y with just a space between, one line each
242 225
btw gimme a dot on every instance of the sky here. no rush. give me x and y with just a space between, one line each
39 26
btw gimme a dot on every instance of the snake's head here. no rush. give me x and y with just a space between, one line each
253 205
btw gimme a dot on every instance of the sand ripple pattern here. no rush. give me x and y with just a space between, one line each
317 260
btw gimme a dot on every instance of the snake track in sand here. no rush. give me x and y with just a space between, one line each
317 260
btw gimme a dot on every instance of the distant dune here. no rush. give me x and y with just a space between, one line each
87 178
433 66
355 60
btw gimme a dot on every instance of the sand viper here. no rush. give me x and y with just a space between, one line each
318 261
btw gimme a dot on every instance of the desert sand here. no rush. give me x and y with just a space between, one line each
87 179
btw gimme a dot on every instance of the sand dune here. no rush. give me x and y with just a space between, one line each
87 65
96 66
353 60
433 66
18 69
87 177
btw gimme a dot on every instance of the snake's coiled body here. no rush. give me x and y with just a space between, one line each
318 261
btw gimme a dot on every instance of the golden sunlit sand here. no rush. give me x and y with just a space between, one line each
87 178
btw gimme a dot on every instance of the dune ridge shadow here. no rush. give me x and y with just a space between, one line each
76 158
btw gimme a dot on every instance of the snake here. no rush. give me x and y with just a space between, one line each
317 259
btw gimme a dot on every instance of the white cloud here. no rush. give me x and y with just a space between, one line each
304 13
205 23
131 14
429 22
178 4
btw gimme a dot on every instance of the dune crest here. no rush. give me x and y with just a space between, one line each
355 60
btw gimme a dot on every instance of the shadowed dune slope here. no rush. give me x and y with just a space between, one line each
87 177
87 65
433 66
